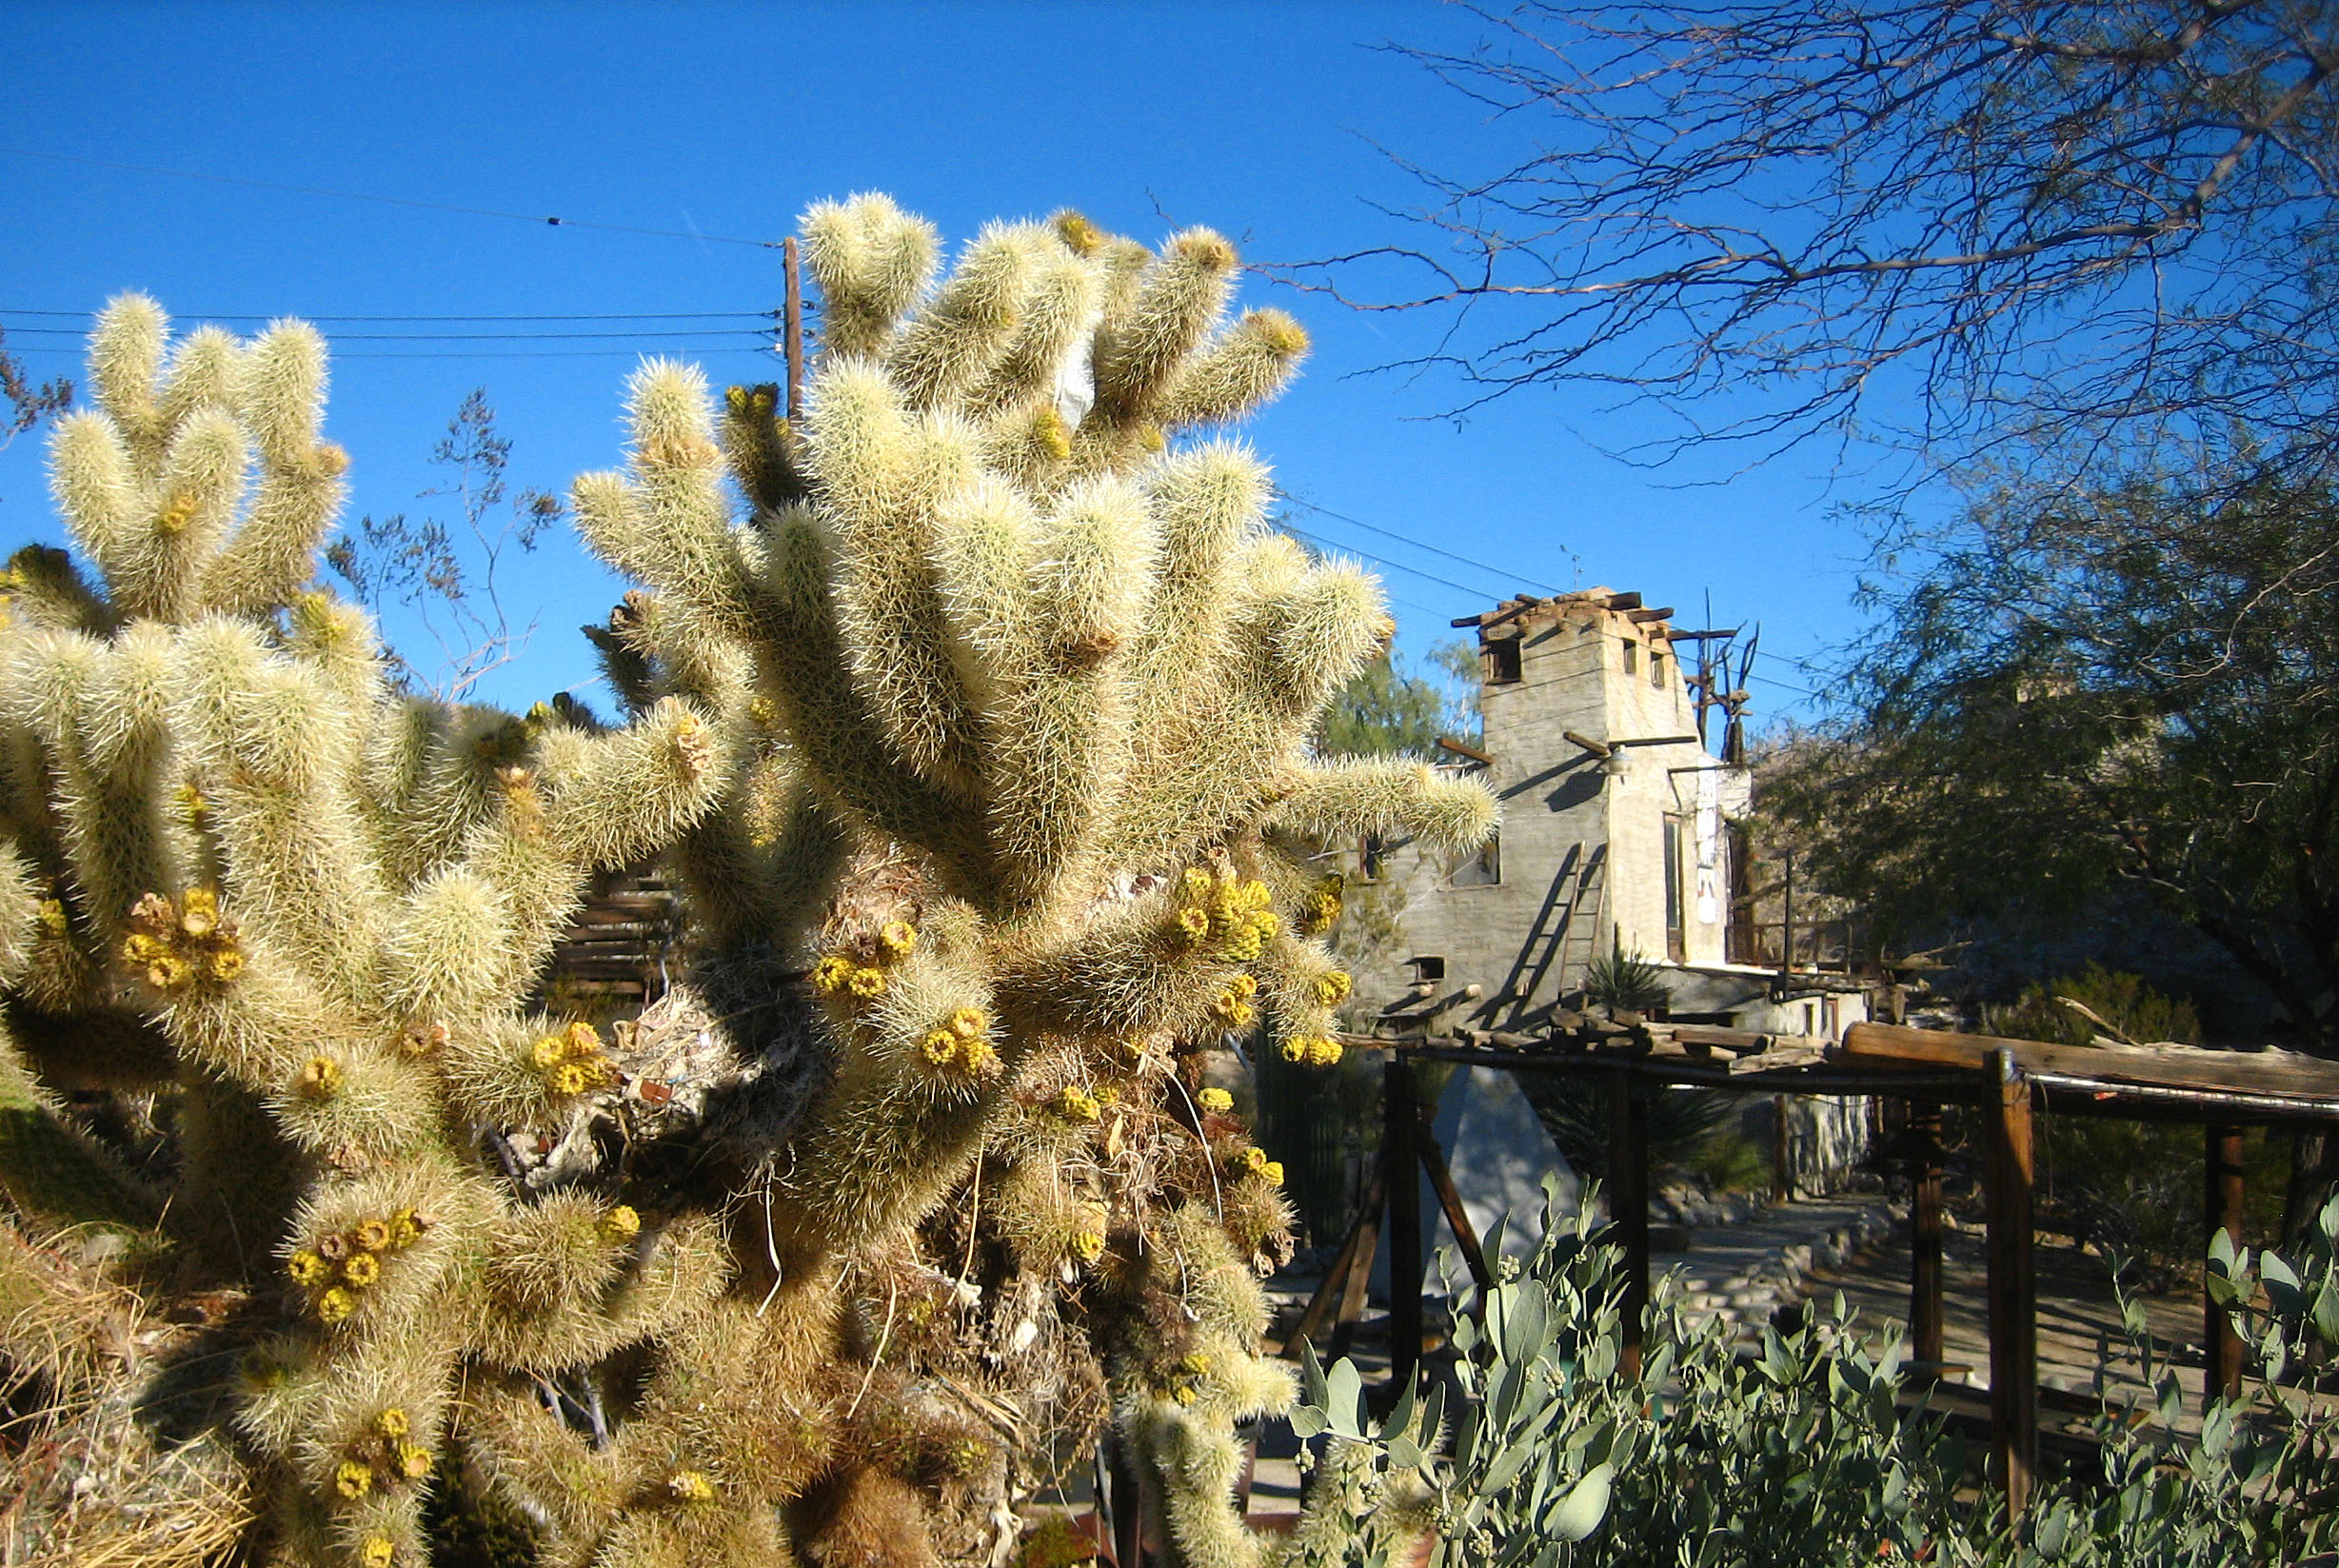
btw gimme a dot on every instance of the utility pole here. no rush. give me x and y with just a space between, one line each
792 329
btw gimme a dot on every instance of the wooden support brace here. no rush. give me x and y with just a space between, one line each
2013 1291
1400 1128
1927 1331
1628 1202
1353 1262
2222 1203
1465 1235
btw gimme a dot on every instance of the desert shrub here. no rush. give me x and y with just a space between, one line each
1800 1449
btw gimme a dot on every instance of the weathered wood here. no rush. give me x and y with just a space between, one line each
792 337
2014 1287
2222 1205
1363 1237
1465 1235
1782 1153
2183 1067
1628 1202
1927 1329
1400 1155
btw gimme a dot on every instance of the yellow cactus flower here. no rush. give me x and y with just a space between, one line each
980 1059
940 1047
690 1486
546 1053
199 912
372 1235
1324 1053
898 937
969 1022
1294 1050
169 971
1183 1394
1075 1104
622 1223
833 972
1255 1159
142 949
52 915
1272 1172
379 1551
1331 987
570 1079
1196 1363
1217 1100
869 984
320 1078
1267 925
1087 1246
1196 880
413 1461
307 1270
227 963
361 1270
404 1231
392 1423
353 1480
1245 987
582 1039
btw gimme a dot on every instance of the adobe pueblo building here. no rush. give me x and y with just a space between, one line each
1620 833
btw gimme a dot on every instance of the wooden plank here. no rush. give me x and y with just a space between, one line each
1465 1235
1715 1037
2181 1068
2221 1203
1627 1201
1343 1263
1927 1330
1400 1130
2013 1286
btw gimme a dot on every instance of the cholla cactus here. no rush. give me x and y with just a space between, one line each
247 875
1045 679
972 715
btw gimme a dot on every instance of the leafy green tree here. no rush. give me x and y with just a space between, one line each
2080 690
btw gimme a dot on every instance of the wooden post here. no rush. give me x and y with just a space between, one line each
1927 1336
1126 1506
1782 1153
793 328
2222 1203
1401 1122
1628 1202
1465 1235
2013 1293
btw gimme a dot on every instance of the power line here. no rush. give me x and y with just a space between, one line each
1407 539
479 354
661 334
616 316
386 201
1394 565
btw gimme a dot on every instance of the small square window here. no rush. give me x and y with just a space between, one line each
1503 662
1428 968
1483 869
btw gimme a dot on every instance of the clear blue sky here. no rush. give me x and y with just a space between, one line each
1266 120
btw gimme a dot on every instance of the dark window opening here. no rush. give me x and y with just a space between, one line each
1656 668
1428 968
1503 662
1372 856
1632 656
1483 869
